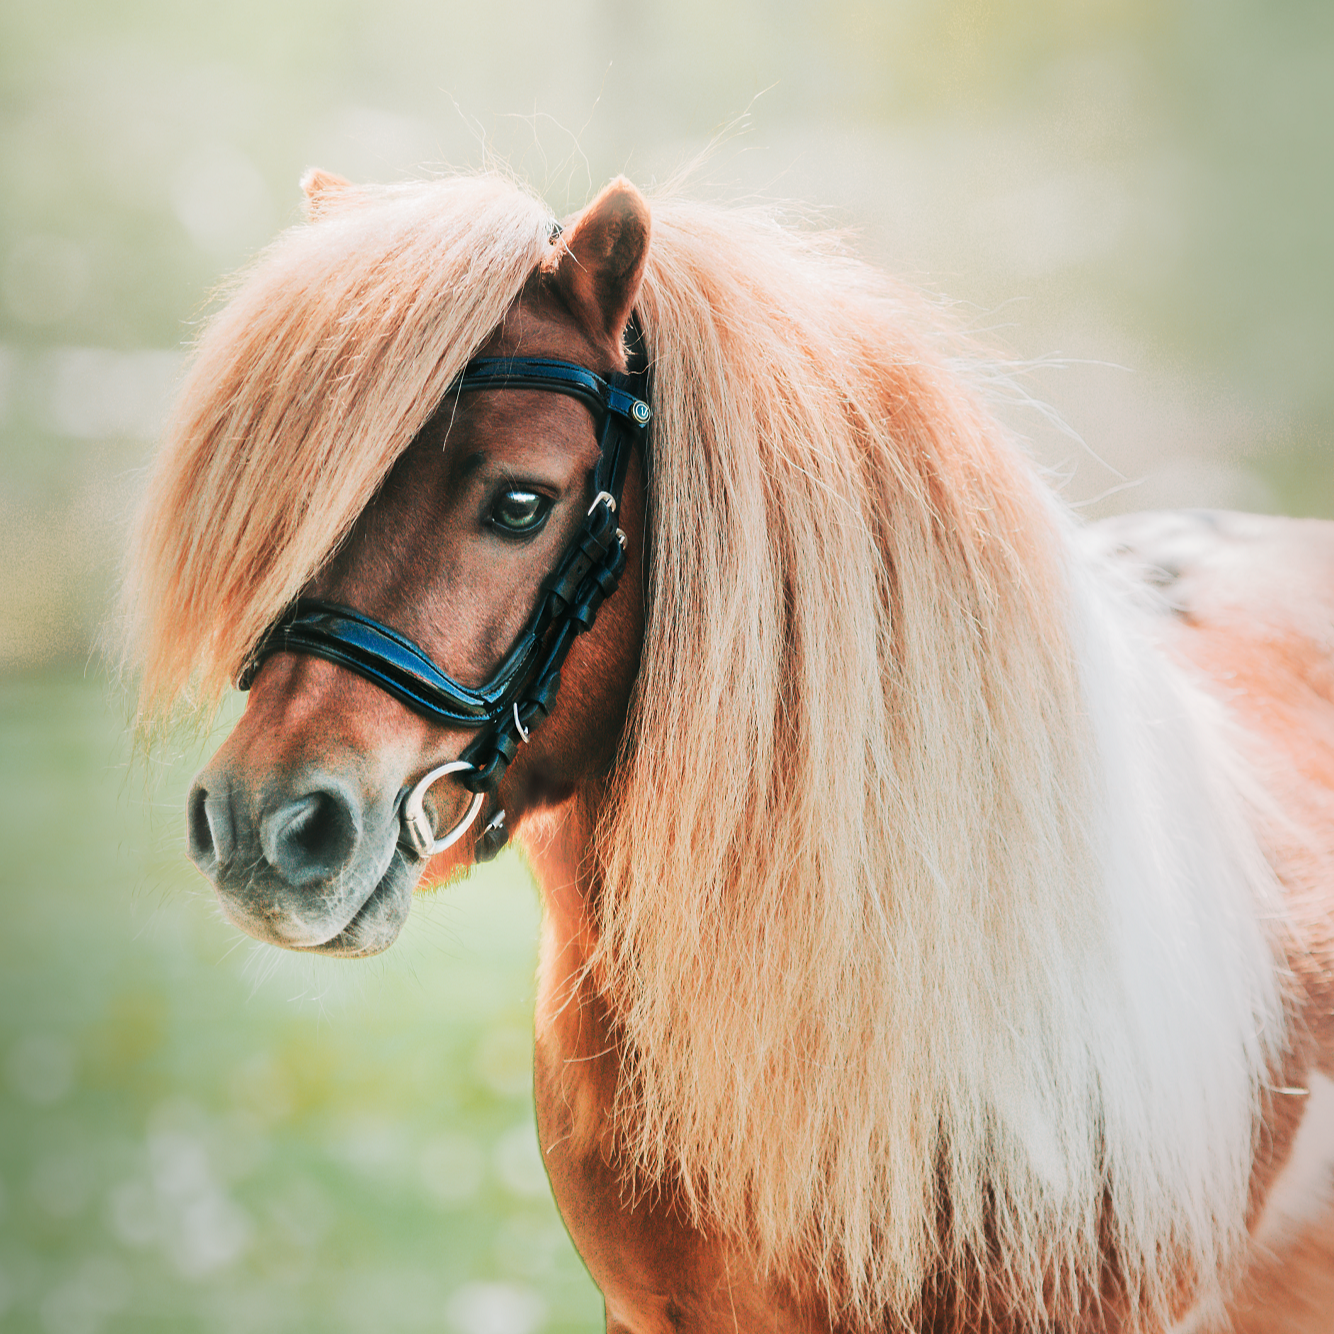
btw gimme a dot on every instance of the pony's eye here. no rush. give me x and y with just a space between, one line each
520 512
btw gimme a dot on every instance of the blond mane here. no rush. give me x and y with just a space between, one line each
931 914
928 892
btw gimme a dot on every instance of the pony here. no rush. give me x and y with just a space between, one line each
936 927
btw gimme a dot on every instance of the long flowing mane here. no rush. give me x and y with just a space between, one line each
914 848
931 916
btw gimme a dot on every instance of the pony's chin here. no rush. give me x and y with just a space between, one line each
376 924
302 923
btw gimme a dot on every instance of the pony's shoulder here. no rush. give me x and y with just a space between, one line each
1259 577
1246 602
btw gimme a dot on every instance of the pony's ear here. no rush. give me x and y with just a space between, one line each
599 261
320 187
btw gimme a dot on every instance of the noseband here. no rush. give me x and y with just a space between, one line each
505 709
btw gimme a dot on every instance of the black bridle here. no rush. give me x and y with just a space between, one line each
519 695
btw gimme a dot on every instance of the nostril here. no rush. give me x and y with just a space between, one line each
312 837
198 835
208 828
316 830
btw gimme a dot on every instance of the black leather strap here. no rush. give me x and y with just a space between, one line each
519 694
393 662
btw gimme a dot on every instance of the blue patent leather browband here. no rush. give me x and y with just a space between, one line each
518 695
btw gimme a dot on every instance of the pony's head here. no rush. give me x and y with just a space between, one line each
326 447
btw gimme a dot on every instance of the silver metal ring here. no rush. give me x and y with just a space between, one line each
523 731
417 831
600 497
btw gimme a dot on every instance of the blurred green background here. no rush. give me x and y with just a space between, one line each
1132 200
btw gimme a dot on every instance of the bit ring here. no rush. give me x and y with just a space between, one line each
418 834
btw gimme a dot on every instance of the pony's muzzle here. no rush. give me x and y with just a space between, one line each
306 864
306 839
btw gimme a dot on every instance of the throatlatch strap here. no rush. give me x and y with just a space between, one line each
520 693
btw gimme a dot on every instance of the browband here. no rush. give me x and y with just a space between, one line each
519 693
